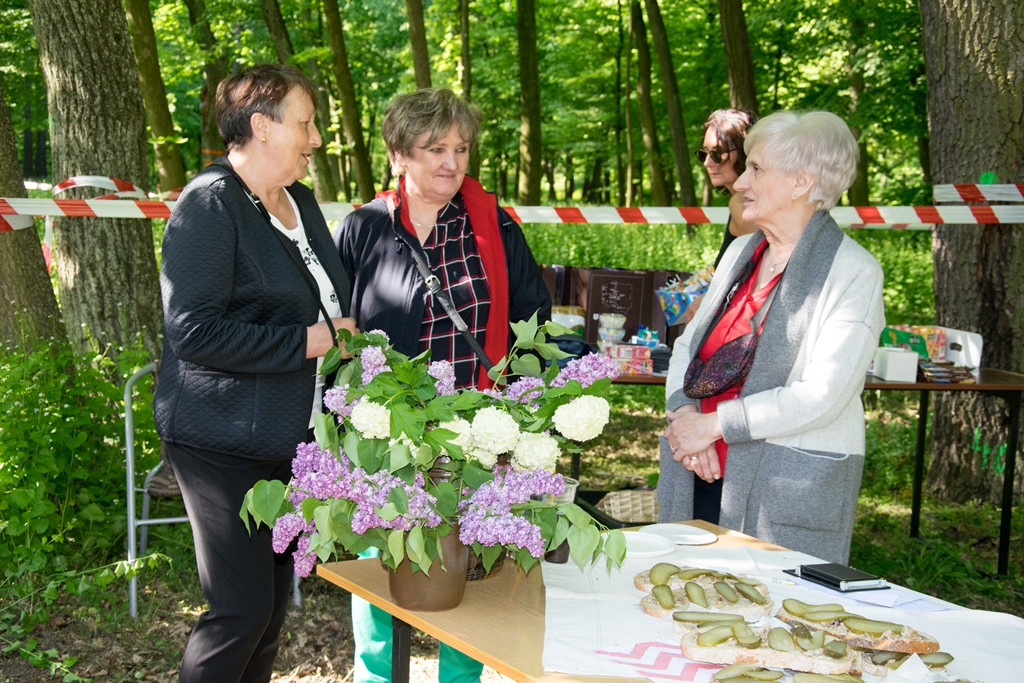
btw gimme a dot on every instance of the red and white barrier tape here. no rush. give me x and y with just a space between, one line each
892 217
977 193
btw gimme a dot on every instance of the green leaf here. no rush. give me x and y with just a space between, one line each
414 548
332 360
528 366
400 456
265 502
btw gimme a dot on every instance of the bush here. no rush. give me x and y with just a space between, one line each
62 476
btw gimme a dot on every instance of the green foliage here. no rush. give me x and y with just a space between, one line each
62 482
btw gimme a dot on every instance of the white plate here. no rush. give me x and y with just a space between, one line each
680 534
647 545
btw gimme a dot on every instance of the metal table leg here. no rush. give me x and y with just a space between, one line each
1013 401
922 433
401 650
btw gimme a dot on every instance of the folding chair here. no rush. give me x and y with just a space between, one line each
138 526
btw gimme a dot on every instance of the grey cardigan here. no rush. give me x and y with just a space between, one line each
234 377
796 432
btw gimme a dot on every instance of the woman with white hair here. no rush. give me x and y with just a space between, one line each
767 377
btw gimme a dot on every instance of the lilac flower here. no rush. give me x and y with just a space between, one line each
304 559
587 370
444 373
487 516
336 401
525 390
374 363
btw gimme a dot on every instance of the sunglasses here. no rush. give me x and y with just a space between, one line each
716 154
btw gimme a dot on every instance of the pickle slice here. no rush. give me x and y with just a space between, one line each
870 626
781 639
751 593
705 617
693 573
935 660
828 615
695 593
746 672
726 591
881 657
800 608
732 671
662 572
836 649
825 678
812 641
744 636
714 636
663 594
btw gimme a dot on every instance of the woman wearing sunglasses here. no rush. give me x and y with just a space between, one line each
766 425
723 158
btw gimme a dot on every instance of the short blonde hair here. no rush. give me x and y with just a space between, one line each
817 143
428 109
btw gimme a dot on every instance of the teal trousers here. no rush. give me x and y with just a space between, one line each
371 630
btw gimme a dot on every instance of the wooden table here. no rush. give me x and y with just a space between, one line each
500 621
1000 383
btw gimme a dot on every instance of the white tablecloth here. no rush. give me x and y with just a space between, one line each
594 624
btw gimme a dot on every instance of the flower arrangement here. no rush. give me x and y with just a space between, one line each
403 456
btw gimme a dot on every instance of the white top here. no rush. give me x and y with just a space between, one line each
328 296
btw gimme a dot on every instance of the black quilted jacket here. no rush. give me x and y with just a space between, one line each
233 376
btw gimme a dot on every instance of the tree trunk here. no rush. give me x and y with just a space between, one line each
529 103
30 311
215 69
169 167
972 51
278 30
349 104
659 192
322 169
673 108
418 42
467 78
106 267
858 192
742 91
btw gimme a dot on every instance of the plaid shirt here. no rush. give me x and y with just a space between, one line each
453 257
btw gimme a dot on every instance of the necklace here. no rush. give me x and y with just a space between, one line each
773 266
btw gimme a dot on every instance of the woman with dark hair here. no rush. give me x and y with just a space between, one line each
722 155
439 225
253 293
766 425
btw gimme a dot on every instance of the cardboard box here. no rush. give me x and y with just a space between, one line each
629 351
635 366
895 364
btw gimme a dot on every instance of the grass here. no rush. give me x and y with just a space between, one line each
955 559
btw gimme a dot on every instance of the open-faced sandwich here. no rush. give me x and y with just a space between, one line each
881 662
855 630
671 588
728 639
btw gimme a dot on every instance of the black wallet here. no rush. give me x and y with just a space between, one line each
839 577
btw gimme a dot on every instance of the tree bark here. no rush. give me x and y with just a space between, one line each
529 102
170 168
215 69
349 104
278 30
673 108
106 267
466 70
740 65
974 59
659 191
29 311
418 42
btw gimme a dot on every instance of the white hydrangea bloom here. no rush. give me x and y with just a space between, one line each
582 419
486 458
494 430
535 451
462 428
372 420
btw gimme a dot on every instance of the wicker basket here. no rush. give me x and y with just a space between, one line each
630 505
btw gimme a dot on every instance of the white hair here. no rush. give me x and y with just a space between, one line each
817 143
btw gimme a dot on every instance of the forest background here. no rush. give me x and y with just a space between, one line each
590 102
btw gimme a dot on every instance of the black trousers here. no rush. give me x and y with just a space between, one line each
707 499
245 582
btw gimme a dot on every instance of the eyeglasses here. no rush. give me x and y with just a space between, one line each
716 154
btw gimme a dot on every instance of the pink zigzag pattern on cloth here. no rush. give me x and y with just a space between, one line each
659 661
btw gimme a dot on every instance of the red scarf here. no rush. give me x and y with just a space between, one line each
482 207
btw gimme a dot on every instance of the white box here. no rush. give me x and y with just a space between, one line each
895 364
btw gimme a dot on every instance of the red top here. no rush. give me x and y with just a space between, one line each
735 322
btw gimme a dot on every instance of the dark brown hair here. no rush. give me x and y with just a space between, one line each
259 89
731 126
